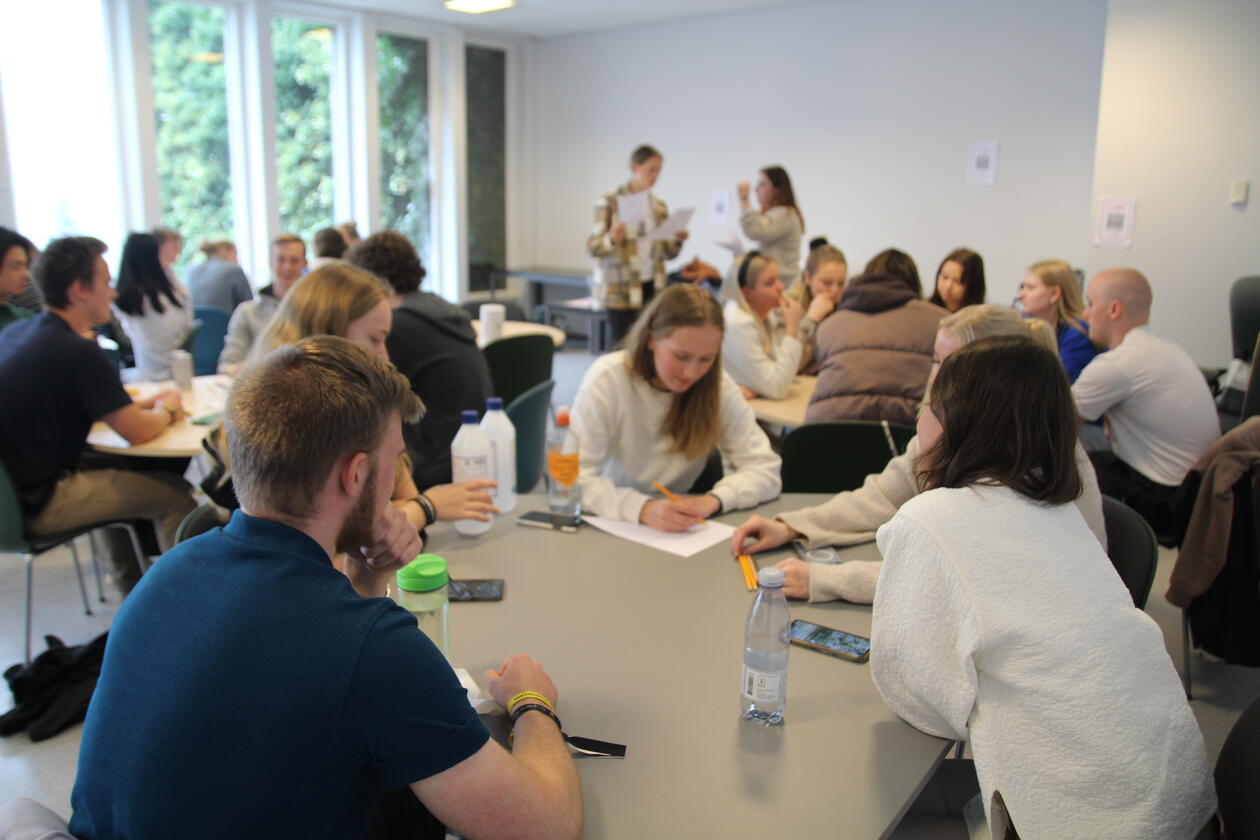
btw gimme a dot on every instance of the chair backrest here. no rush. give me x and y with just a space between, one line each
201 519
1251 397
839 455
518 364
1132 548
12 526
208 342
1238 776
1244 316
528 414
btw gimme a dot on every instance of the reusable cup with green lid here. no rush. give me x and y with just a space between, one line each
420 588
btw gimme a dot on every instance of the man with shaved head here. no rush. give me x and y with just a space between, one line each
1160 414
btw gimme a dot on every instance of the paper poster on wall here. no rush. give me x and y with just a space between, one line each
982 162
1115 220
720 208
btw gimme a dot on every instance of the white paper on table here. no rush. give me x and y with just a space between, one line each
720 208
982 162
1115 220
481 704
689 542
731 242
632 208
678 220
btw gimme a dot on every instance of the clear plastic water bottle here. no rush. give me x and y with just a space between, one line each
420 588
502 435
564 496
470 459
764 689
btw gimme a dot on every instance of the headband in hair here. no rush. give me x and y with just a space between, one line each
742 277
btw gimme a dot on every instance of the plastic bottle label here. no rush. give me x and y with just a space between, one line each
466 468
563 468
762 686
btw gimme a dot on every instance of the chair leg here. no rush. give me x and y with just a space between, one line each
29 562
1185 653
958 748
96 566
78 573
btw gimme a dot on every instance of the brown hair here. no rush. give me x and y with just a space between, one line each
324 302
644 153
287 238
296 412
784 196
972 276
1008 419
821 252
212 247
329 242
894 263
693 419
64 262
391 256
1057 274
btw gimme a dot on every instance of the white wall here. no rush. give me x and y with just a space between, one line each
871 106
1178 119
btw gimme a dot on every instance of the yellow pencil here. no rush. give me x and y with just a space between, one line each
746 566
665 492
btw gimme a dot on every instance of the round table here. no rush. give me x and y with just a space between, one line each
511 329
182 439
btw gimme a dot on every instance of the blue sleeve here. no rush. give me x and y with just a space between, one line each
406 712
1075 351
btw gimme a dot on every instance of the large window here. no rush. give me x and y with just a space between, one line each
403 67
303 54
190 105
486 80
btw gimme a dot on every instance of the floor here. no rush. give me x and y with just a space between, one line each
45 771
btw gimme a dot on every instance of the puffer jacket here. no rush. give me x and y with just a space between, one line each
874 353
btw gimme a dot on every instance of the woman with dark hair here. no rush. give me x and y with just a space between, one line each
1027 647
875 349
629 264
778 226
15 274
959 280
152 306
656 410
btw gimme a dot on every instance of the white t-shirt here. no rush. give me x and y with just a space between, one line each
156 335
1157 403
617 418
1000 620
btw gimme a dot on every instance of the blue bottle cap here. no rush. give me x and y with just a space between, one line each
468 417
494 404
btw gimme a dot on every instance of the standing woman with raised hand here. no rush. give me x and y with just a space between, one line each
629 266
152 306
777 226
655 411
761 346
818 290
1051 292
959 280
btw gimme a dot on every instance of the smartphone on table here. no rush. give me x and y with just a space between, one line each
554 521
489 589
830 641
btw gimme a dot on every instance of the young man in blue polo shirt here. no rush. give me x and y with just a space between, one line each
54 383
250 689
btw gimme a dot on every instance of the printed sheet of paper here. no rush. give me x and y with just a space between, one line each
632 208
731 242
689 542
720 208
1115 220
982 162
678 220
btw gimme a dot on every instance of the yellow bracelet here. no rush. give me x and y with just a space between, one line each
529 695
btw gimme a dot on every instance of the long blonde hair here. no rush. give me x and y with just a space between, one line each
694 416
324 302
1057 274
819 256
983 320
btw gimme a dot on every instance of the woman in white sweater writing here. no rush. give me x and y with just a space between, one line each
655 411
853 516
999 620
762 347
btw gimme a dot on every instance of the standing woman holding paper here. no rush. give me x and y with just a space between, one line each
629 264
655 411
778 226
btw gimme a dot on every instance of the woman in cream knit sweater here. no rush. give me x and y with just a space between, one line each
854 516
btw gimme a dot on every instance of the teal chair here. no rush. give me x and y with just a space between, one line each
13 540
518 364
839 455
528 414
207 342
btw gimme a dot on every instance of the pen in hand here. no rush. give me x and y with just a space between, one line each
673 498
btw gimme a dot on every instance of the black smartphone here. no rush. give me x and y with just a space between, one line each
830 641
554 521
489 589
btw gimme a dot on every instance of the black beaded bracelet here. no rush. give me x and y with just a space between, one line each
534 707
430 512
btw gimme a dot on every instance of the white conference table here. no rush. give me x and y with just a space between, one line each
512 329
789 411
182 439
646 649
